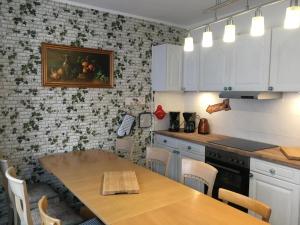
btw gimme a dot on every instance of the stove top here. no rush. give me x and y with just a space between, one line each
243 144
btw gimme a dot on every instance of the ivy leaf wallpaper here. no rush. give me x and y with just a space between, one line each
37 120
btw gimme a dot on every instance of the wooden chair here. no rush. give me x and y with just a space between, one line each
43 207
156 156
12 213
48 220
19 197
198 170
29 216
246 202
35 191
125 146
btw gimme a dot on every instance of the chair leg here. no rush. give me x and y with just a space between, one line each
10 216
16 217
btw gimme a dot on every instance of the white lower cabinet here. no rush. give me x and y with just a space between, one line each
269 184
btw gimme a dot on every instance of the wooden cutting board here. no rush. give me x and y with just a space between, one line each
291 153
120 182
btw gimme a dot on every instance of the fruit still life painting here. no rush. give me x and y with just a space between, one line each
68 66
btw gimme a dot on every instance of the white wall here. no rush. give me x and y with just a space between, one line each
272 121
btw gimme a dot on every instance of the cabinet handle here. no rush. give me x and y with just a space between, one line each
225 88
250 175
272 171
270 88
189 147
165 141
229 88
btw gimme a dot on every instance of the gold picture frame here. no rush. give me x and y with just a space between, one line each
68 66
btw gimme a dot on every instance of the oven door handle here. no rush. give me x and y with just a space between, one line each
224 168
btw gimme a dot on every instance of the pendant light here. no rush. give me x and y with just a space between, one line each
188 44
258 24
292 16
207 39
229 32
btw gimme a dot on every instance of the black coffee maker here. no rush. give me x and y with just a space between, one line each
189 122
174 121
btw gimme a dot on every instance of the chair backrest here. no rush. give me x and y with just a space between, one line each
154 155
43 208
201 171
20 197
3 168
125 145
246 202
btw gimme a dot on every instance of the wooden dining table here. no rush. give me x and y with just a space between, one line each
161 201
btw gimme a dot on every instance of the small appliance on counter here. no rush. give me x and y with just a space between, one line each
203 126
174 121
189 122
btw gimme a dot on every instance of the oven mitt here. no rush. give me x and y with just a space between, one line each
126 125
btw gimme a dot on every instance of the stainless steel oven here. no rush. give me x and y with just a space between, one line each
233 171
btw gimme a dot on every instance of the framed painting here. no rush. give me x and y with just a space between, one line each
68 66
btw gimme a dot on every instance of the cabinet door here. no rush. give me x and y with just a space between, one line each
285 75
191 70
251 63
215 67
195 184
159 69
174 67
281 196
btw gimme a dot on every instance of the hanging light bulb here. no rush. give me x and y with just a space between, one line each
207 39
292 16
258 24
229 32
188 44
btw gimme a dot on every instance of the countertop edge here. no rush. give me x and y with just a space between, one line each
257 155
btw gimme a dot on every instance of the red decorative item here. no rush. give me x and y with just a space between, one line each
159 112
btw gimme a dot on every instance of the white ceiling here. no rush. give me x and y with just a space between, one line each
182 13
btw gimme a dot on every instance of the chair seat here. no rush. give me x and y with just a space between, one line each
60 211
36 191
93 221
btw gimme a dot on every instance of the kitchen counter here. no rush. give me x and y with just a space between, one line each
272 154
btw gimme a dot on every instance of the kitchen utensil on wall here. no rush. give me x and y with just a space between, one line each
159 112
145 120
126 125
174 121
219 107
189 122
203 126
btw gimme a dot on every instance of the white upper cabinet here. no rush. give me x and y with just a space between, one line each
215 67
167 67
251 62
285 60
191 69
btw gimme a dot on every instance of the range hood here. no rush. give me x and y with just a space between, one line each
250 95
